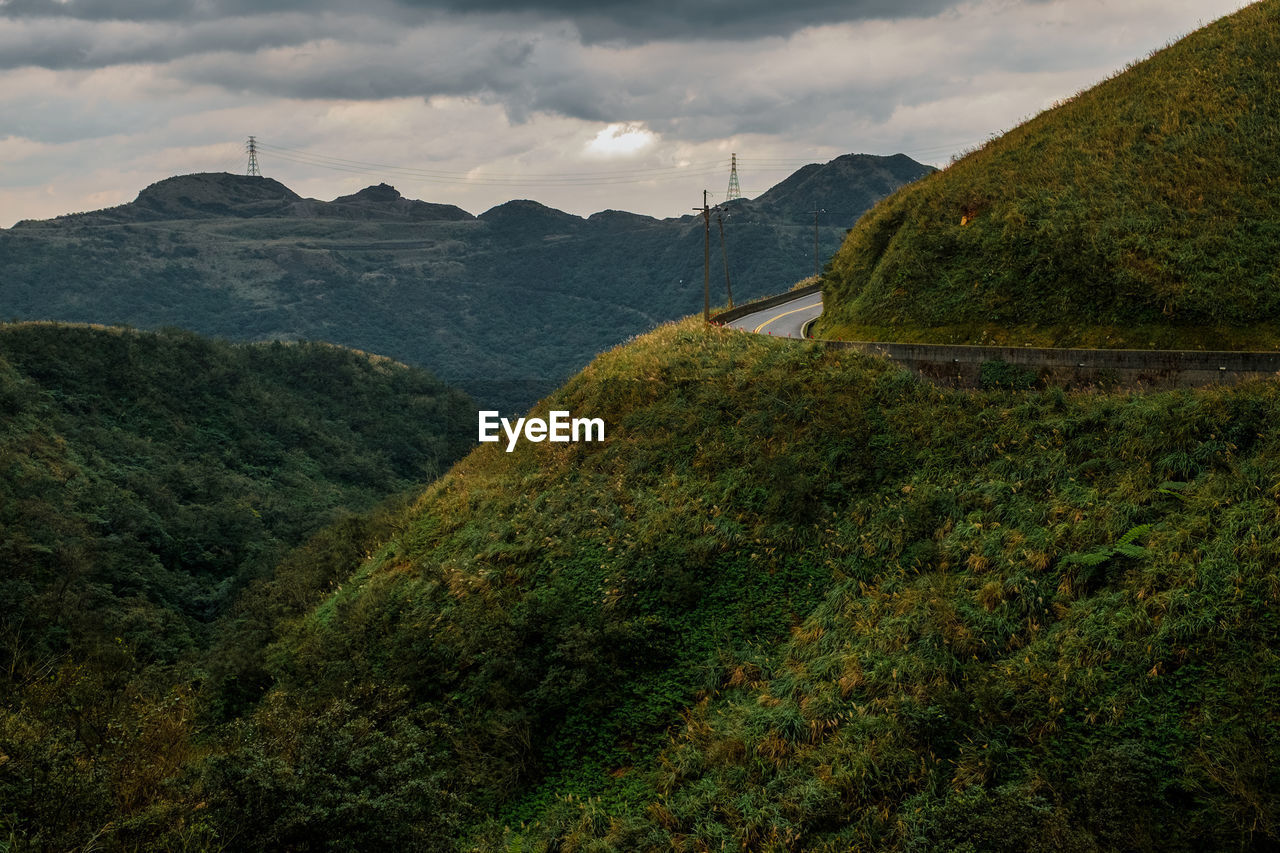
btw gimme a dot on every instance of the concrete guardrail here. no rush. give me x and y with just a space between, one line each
961 365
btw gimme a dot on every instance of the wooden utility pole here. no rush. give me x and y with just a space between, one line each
724 253
816 271
706 259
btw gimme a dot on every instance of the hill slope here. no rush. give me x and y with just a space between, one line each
1139 213
797 600
167 469
145 479
505 305
851 611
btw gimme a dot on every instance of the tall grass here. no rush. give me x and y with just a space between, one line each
800 600
1141 213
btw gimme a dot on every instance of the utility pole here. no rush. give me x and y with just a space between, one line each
724 253
252 147
706 259
816 271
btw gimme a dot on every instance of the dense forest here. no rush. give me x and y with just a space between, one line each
506 305
146 481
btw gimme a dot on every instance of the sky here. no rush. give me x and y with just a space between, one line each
583 105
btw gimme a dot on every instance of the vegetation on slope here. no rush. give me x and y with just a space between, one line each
145 479
246 258
798 600
1141 213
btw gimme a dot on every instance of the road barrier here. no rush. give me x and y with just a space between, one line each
961 366
760 304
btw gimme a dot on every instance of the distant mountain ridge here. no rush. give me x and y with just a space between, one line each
505 304
841 190
210 195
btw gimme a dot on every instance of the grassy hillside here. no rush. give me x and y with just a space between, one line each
798 600
145 480
1141 213
506 305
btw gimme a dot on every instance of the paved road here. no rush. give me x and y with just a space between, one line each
785 320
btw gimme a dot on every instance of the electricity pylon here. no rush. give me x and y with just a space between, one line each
734 190
252 147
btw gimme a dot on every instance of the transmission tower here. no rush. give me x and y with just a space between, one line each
252 147
734 190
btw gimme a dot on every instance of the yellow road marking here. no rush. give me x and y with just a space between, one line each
780 316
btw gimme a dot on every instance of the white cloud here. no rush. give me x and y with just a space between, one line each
620 140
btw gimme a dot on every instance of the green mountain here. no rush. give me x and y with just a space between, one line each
506 305
797 600
1140 213
145 481
162 471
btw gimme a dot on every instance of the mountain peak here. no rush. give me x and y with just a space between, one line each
383 201
211 194
620 219
382 193
841 189
527 215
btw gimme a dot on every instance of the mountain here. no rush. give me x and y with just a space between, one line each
224 196
505 305
798 599
841 191
146 480
189 465
384 202
204 196
1139 213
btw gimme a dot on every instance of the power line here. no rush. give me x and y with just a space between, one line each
500 179
547 180
642 173
586 179
924 151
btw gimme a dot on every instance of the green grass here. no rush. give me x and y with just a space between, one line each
1140 213
801 600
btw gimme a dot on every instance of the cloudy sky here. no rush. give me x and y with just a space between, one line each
580 104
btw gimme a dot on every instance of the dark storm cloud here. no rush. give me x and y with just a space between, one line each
150 10
707 95
79 44
602 20
601 61
629 21
460 63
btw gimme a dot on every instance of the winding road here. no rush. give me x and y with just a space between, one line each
961 365
786 320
